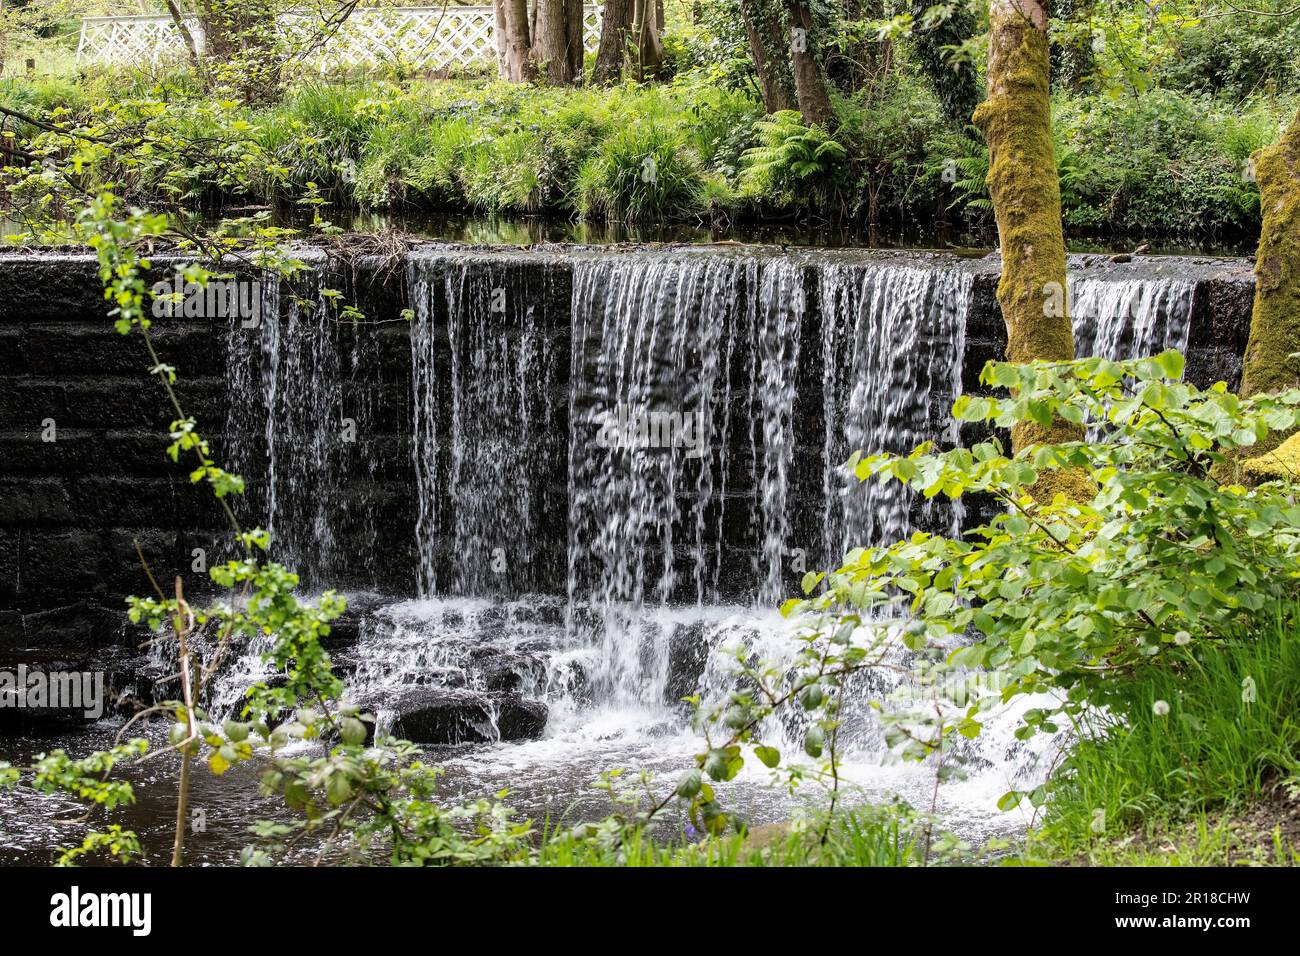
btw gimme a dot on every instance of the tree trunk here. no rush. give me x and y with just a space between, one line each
240 47
1275 321
767 44
645 28
178 19
520 67
576 42
551 41
614 26
809 83
499 34
1016 121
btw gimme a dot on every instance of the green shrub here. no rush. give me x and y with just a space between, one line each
642 172
962 161
318 132
506 173
1161 163
1081 600
889 134
1237 57
795 164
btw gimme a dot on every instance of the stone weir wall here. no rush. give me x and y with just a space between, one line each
84 479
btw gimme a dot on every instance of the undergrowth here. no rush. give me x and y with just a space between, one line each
1220 735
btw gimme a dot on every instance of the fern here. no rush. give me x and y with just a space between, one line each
790 155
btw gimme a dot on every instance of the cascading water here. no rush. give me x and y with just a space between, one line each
296 417
893 342
649 376
481 348
777 330
1130 318
656 487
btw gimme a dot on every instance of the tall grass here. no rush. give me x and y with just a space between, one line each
642 172
1219 735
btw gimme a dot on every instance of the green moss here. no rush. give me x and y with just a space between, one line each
1016 120
1017 123
1275 323
1281 462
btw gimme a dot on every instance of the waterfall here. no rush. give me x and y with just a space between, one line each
298 427
1130 318
893 343
649 427
499 384
252 354
777 330
649 380
619 462
686 378
302 393
420 280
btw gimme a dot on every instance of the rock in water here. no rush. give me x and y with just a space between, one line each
444 715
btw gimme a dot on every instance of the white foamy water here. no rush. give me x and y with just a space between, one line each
462 642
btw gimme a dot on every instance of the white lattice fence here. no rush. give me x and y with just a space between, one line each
419 37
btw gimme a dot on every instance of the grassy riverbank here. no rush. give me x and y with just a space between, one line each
1168 164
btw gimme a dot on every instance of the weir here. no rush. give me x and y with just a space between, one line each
554 481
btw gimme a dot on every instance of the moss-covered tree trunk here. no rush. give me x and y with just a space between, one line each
1016 120
1275 322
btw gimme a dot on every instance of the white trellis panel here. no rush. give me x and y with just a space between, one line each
429 38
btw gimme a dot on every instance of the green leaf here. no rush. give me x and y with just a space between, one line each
814 741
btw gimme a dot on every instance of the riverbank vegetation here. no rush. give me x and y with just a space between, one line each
1154 128
1213 746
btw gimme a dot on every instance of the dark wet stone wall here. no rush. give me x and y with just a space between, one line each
73 510
83 476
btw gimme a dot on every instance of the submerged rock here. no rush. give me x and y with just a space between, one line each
444 715
50 692
688 655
